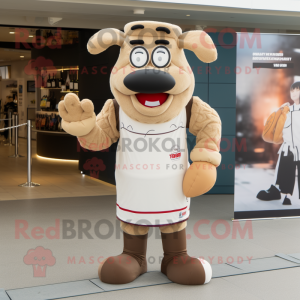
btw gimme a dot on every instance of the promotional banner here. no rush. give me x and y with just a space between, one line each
268 127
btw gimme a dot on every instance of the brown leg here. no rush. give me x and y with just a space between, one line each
178 266
127 266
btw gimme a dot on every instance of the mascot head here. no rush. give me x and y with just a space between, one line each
152 80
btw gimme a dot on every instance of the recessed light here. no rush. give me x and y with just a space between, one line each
12 32
31 36
139 11
22 56
188 15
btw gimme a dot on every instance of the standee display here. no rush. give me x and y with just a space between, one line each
267 128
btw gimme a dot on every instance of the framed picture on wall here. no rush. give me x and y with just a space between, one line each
31 86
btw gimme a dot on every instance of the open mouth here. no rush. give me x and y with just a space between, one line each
152 100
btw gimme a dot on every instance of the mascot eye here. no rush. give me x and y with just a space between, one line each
139 57
161 57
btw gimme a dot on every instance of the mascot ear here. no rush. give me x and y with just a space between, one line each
200 43
105 38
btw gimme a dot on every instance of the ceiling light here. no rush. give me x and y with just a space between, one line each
22 56
15 50
11 32
188 15
200 27
138 11
31 36
53 20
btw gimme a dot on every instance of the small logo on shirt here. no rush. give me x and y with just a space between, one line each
176 153
182 214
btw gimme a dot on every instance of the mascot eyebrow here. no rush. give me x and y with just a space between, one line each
165 29
138 26
165 42
141 42
135 42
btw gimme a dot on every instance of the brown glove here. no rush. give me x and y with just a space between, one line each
274 126
280 125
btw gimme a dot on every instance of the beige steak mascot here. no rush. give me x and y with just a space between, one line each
153 87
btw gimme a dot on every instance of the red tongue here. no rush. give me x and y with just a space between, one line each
161 97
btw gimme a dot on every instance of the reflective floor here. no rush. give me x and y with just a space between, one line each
57 178
57 224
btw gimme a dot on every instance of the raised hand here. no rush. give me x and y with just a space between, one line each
78 117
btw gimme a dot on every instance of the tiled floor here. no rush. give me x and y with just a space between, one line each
57 178
77 256
274 285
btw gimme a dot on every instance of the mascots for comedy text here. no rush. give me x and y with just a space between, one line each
153 88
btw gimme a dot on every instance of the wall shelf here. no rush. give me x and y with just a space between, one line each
50 132
59 89
46 112
69 91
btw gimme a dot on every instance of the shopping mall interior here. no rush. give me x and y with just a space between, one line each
59 197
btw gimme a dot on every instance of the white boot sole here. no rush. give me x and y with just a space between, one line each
207 269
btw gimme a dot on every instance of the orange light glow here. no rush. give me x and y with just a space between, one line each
259 150
57 159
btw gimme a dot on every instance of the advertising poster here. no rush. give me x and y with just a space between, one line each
268 127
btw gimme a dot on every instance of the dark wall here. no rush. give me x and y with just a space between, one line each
94 73
66 55
217 87
56 145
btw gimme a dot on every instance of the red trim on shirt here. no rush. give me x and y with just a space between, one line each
150 212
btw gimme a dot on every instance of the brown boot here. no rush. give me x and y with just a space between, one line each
180 267
127 266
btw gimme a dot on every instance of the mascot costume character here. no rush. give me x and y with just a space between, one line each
153 87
